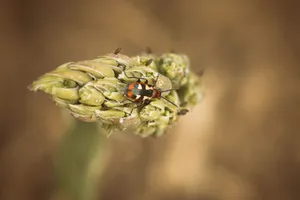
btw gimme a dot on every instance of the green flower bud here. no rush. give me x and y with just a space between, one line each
79 77
111 116
83 110
89 95
175 67
110 88
153 111
95 91
191 93
65 93
46 83
119 59
95 68
142 61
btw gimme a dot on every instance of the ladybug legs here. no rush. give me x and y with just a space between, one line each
144 103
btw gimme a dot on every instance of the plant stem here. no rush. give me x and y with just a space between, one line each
78 163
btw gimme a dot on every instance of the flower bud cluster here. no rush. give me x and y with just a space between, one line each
95 91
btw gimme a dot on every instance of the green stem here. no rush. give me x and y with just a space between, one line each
77 165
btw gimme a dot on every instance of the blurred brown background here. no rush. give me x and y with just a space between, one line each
242 142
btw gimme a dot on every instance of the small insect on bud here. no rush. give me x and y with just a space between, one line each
149 62
183 112
117 51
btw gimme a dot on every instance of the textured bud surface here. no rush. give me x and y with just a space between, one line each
97 91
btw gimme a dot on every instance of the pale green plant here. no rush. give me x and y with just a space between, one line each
93 91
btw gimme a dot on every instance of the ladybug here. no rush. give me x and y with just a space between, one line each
142 92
